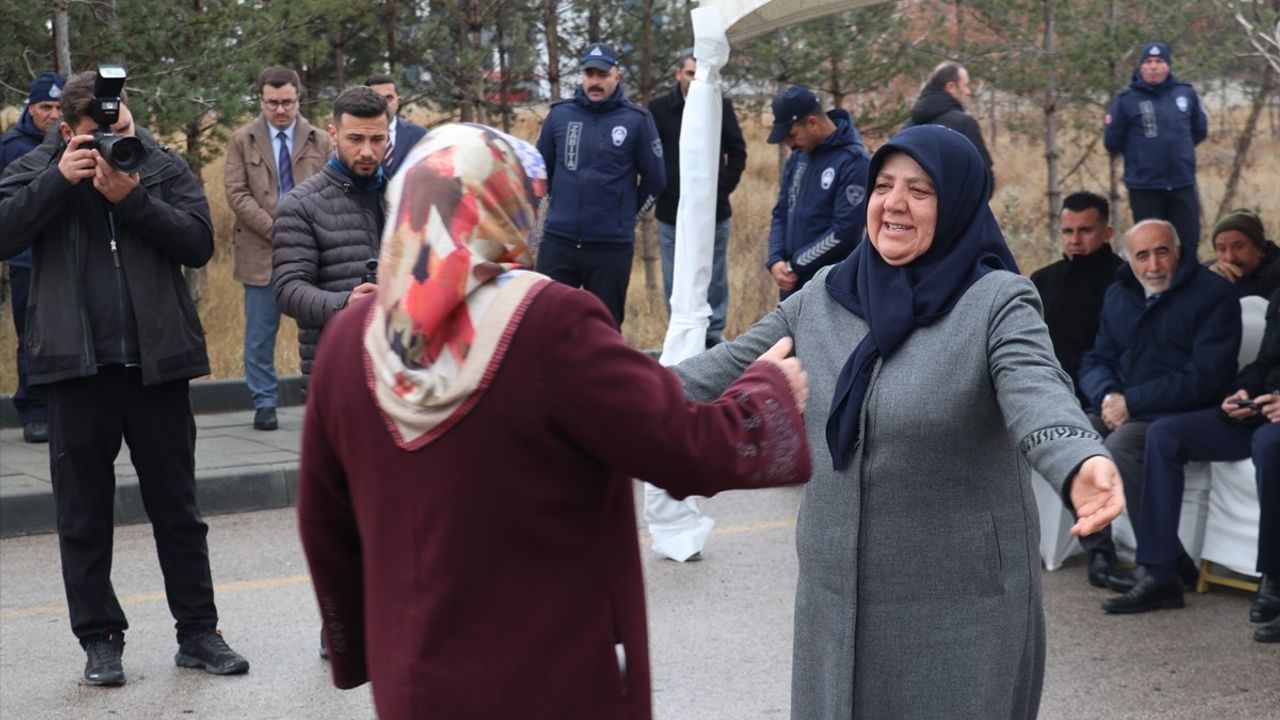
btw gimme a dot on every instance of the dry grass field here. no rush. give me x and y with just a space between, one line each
1018 203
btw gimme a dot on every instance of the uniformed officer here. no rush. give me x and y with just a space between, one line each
604 169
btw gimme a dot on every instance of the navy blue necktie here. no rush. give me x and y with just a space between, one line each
285 164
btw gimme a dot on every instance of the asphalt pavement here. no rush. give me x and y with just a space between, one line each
720 629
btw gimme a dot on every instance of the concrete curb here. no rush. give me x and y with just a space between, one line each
207 396
218 493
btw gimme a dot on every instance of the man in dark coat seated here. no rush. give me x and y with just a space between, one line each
1245 425
1072 289
1167 343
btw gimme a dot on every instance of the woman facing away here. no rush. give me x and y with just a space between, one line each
934 383
465 500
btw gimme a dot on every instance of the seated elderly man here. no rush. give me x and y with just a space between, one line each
1245 257
1167 343
1246 425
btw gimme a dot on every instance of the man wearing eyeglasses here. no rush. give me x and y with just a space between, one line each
265 160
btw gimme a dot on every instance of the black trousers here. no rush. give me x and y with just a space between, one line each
1181 207
1206 435
88 417
602 269
1127 445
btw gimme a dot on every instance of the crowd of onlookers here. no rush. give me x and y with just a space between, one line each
1149 337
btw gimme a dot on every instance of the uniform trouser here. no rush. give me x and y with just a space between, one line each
601 268
1127 445
1180 206
261 324
27 400
88 417
1206 435
717 289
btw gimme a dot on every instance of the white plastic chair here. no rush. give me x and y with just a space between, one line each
1231 528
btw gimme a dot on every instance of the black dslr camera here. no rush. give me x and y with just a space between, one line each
125 154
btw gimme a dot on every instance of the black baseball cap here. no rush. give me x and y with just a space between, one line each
600 56
791 104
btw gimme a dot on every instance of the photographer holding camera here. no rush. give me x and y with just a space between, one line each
111 218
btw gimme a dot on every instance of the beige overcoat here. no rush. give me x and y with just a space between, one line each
253 190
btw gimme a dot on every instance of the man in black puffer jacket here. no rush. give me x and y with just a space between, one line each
942 103
329 227
113 337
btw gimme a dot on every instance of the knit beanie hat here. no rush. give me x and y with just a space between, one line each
1156 50
46 86
1245 221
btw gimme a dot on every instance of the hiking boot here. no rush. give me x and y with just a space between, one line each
207 650
103 666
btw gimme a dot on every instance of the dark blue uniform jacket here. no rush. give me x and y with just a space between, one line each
818 218
1157 127
604 167
20 140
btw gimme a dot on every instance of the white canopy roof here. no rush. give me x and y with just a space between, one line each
745 19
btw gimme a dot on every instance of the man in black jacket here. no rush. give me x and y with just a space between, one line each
1072 288
668 114
942 103
113 337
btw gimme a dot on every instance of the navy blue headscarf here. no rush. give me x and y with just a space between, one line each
894 301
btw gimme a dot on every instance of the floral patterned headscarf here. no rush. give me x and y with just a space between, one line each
451 283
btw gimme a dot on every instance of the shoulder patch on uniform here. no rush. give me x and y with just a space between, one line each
656 145
828 177
619 135
855 194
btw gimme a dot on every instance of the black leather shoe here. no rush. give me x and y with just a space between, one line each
1123 580
1149 594
1266 607
264 418
1268 633
1101 564
36 431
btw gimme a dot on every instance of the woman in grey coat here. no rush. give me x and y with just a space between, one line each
933 384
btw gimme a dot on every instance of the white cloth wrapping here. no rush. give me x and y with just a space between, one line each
678 528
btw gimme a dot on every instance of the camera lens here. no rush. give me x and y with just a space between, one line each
125 154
